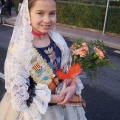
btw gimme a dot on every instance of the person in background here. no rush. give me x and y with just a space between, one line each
2 2
7 4
1 6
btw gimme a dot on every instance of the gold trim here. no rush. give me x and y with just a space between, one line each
51 74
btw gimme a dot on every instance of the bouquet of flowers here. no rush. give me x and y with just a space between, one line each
91 56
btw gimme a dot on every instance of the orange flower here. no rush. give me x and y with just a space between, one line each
74 52
85 48
99 53
80 52
82 49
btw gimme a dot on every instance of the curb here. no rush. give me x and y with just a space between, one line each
89 29
9 22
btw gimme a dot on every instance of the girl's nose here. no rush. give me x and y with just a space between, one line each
46 19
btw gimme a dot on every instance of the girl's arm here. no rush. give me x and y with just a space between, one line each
56 98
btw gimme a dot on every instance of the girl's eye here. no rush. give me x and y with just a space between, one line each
40 13
52 13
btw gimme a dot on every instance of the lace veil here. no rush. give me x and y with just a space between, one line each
17 67
19 46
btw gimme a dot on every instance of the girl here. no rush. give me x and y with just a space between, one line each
35 54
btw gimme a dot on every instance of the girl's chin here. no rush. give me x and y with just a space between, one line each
45 31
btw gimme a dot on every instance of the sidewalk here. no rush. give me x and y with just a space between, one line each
76 33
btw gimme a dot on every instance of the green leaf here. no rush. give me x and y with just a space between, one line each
110 64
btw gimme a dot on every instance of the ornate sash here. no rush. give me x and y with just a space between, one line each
41 72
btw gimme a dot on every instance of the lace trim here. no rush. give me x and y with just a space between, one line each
59 40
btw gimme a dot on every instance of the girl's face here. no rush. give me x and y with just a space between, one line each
43 15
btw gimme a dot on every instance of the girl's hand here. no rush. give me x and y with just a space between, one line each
58 98
68 94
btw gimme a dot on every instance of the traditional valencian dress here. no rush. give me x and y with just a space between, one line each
29 75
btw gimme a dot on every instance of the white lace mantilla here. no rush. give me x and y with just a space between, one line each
17 67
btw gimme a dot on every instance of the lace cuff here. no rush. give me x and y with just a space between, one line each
79 86
19 95
42 98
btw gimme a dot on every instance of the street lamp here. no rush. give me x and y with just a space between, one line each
104 27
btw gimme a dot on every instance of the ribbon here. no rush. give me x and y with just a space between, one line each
73 71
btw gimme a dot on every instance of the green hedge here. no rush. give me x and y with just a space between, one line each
89 16
113 24
96 2
115 3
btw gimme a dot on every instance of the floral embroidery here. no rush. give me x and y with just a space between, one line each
51 54
54 61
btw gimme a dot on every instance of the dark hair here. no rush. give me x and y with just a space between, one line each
31 3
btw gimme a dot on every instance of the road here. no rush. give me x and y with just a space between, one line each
103 99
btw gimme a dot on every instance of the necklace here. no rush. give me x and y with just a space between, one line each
41 35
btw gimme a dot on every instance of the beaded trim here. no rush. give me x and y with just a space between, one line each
41 72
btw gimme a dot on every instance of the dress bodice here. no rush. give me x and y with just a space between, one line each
52 55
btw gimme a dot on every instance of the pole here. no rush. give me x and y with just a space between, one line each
104 27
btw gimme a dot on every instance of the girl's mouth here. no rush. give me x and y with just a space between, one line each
46 26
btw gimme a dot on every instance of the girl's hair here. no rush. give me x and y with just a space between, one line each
31 3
